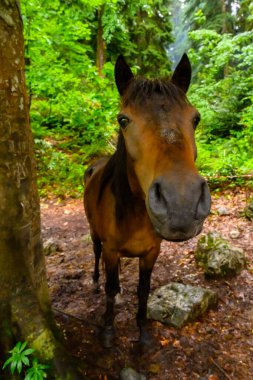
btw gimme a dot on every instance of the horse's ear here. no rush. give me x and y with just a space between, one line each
182 74
123 74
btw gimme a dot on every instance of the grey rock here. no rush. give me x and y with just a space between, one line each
248 211
129 373
218 257
223 210
176 304
50 246
234 234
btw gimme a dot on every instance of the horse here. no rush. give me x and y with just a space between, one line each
150 188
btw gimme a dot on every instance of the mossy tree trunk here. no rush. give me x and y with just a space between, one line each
25 310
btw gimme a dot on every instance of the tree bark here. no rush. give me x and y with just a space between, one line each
225 30
224 14
100 55
25 310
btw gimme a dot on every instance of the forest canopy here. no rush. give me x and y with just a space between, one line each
71 48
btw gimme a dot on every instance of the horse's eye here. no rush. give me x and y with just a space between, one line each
123 121
196 121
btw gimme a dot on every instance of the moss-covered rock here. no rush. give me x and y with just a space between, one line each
176 304
248 211
218 257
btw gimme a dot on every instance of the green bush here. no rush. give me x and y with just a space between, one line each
222 91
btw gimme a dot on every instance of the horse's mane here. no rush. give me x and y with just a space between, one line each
141 89
115 171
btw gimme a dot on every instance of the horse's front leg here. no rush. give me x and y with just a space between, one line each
111 288
97 248
145 270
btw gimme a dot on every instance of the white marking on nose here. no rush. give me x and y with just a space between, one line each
169 135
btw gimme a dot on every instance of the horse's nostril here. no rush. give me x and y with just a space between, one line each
157 200
158 194
204 203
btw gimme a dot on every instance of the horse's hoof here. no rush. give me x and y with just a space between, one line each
146 338
108 336
95 288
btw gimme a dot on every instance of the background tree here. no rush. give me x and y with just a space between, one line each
140 26
244 21
216 15
25 311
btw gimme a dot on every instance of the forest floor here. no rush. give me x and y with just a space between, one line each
218 346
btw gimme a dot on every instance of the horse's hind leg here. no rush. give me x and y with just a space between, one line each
97 248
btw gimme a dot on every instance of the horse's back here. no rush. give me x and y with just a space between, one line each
95 167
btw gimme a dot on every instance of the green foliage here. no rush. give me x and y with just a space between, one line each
19 361
73 110
222 91
245 16
212 15
142 33
59 173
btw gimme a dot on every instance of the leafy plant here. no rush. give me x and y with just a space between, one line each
19 357
37 371
19 361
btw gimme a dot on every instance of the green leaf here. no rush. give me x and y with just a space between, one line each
8 361
25 360
19 366
23 346
18 346
28 376
29 351
13 366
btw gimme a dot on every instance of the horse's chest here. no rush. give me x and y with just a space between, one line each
138 240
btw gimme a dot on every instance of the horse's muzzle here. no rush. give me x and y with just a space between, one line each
177 209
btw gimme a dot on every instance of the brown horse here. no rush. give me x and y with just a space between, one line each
149 189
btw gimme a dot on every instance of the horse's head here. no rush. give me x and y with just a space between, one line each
158 123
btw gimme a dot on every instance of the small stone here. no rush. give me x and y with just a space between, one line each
218 257
234 234
223 211
129 373
51 246
86 238
177 304
154 368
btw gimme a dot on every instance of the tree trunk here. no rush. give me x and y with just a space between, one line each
100 56
224 14
225 30
25 310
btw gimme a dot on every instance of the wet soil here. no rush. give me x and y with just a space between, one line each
217 346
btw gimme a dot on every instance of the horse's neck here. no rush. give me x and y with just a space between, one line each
129 198
133 181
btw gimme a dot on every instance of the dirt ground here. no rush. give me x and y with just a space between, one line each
218 346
